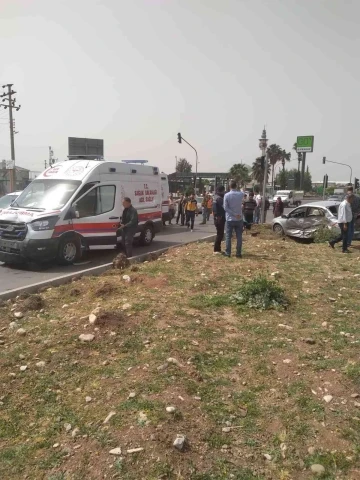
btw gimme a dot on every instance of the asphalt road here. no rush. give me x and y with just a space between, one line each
172 235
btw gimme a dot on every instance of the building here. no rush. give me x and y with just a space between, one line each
22 178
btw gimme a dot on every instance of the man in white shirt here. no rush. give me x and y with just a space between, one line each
344 220
257 211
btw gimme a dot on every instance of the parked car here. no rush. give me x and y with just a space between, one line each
7 199
303 221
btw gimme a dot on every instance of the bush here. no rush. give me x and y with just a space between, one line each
262 294
324 234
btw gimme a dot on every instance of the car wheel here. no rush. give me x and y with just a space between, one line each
278 229
69 251
147 235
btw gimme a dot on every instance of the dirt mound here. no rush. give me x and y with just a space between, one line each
74 292
106 289
110 319
34 302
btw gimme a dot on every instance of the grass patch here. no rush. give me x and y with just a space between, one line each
262 294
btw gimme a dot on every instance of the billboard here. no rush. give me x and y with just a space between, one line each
86 146
305 144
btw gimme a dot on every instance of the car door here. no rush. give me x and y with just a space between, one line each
295 221
315 218
98 216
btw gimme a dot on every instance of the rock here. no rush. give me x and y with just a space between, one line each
267 457
357 404
170 409
180 442
132 395
75 432
92 319
88 399
174 361
107 419
18 315
317 469
115 451
33 302
324 324
134 450
311 450
56 445
327 398
21 356
143 419
275 274
23 368
40 364
67 427
197 398
310 341
355 395
226 429
287 361
126 306
126 278
86 337
21 332
13 325
65 306
162 367
332 299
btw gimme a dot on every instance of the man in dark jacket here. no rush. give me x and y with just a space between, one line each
181 210
278 208
128 226
249 206
219 217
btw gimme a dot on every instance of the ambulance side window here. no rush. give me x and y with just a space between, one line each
97 201
83 190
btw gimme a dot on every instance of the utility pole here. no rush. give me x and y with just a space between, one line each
11 103
264 161
302 171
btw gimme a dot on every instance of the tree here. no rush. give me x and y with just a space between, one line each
307 181
257 172
183 166
276 155
240 173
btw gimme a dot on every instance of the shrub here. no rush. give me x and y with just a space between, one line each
325 234
262 294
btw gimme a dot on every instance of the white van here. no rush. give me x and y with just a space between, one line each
289 198
77 204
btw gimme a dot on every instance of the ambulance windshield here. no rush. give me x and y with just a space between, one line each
46 194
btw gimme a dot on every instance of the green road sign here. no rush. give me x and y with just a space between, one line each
305 144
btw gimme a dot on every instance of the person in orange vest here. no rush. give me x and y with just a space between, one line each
209 206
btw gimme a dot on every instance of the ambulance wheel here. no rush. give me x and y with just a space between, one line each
69 251
147 235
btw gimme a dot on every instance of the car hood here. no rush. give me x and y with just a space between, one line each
19 215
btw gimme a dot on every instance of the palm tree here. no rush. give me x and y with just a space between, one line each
240 173
257 172
276 154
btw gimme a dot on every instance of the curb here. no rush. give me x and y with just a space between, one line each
63 279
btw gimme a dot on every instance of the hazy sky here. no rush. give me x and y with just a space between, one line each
136 72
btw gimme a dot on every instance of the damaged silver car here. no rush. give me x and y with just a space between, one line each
302 222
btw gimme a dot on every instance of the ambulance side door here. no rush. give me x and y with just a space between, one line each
98 216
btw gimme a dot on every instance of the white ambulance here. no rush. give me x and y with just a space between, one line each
77 204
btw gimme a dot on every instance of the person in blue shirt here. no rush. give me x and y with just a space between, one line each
233 202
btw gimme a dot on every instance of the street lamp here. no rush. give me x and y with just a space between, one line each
263 145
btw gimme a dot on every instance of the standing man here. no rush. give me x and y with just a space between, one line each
344 220
190 211
181 213
219 217
204 208
267 206
355 209
233 209
209 206
128 226
258 200
278 209
249 206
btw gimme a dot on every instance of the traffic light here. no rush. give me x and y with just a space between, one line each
324 160
326 178
179 137
356 183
